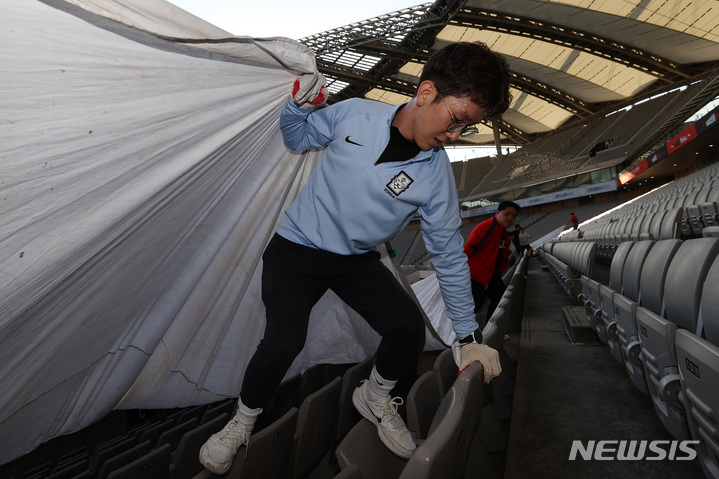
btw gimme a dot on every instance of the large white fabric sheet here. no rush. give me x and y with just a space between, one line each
141 177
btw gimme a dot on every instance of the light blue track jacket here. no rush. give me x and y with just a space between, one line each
350 204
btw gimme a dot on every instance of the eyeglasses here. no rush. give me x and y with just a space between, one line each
458 125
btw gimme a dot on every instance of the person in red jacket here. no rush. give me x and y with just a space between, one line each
487 251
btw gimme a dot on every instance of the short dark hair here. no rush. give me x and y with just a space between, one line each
465 69
508 204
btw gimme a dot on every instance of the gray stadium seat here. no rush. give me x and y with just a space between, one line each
698 362
315 428
347 415
268 455
185 458
654 273
446 370
440 456
591 302
608 321
617 267
470 384
683 290
174 435
154 465
625 307
227 406
423 400
123 458
670 224
350 472
362 447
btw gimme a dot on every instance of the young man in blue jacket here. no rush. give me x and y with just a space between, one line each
380 165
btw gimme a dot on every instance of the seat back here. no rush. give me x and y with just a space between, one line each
440 456
315 427
446 370
685 280
617 267
671 222
698 361
153 465
654 273
632 272
122 459
270 450
470 383
423 400
710 304
362 447
347 415
172 436
185 456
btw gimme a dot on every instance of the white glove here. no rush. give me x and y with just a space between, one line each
466 354
309 90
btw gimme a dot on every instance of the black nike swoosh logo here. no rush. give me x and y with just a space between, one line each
352 142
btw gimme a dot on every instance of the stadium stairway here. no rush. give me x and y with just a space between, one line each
569 392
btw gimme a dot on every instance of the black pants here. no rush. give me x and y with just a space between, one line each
494 291
294 278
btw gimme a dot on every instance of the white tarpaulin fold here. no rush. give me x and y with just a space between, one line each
141 177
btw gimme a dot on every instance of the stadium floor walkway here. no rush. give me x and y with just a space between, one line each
567 392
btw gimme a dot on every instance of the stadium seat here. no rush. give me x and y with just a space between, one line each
698 362
350 472
154 465
608 321
625 306
470 384
174 435
683 289
440 456
268 455
423 400
110 449
122 459
315 428
362 447
591 302
654 273
446 370
185 458
347 415
212 411
670 224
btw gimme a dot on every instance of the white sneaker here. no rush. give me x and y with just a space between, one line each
391 428
219 451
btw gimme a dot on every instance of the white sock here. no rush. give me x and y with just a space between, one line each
377 386
245 415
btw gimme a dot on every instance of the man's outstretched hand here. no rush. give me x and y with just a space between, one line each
466 354
309 90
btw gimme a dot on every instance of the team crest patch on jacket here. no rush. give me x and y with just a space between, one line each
399 183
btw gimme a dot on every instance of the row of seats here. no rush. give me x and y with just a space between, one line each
682 209
568 261
658 318
460 423
312 413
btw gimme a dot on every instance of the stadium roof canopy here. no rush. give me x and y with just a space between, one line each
570 59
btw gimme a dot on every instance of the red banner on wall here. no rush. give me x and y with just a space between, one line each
682 138
641 166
